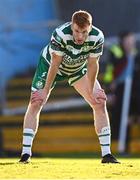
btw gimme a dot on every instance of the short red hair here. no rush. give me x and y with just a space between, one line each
82 18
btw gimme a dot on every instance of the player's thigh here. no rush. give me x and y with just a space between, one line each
39 78
81 87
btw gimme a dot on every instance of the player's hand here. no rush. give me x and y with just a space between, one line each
40 95
98 96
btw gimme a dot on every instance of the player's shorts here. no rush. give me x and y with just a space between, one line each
40 76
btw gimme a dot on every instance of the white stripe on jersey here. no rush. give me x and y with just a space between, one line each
65 37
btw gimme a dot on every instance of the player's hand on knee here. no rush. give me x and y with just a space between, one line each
39 96
93 101
99 96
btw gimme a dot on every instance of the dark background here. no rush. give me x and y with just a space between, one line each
109 15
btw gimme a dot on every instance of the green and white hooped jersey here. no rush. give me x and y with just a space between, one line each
74 56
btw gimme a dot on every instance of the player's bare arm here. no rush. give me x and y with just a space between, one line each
54 66
43 94
92 73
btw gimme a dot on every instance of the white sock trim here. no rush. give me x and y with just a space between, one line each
105 140
28 130
28 136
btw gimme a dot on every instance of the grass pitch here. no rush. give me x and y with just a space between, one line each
64 168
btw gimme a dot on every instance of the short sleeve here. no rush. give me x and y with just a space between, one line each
98 47
57 44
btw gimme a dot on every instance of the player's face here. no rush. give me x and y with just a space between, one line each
80 34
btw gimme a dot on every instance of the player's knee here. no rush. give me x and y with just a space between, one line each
36 104
100 106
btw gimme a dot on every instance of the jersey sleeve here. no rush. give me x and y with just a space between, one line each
98 47
57 44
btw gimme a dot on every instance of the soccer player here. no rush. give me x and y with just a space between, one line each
73 54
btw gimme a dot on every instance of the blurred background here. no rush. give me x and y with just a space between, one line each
66 123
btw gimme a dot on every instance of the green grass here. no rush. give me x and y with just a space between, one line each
69 168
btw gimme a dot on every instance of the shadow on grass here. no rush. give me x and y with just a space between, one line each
7 163
78 155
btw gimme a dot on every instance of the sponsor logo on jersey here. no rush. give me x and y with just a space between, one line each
70 61
55 45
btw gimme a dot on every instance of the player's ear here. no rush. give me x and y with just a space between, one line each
72 27
90 27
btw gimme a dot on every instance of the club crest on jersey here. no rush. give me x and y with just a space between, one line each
69 48
85 48
39 84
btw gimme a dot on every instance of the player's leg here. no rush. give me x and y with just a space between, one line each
31 118
102 124
30 127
